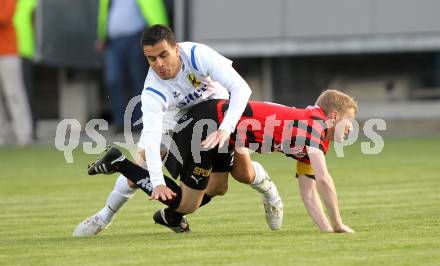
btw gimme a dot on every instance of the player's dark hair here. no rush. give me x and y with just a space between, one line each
157 33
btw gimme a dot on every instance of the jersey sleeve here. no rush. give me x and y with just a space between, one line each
153 108
317 131
210 63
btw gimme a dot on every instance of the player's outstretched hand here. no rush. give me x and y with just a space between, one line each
343 229
163 193
218 137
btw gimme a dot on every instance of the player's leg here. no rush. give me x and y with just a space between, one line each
137 68
16 99
123 190
218 180
252 173
114 161
174 218
198 186
194 181
4 121
93 225
218 184
114 80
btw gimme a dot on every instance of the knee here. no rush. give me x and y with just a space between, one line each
244 175
219 190
222 189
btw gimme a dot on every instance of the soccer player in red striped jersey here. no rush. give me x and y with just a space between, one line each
303 134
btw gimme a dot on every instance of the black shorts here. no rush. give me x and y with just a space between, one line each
186 157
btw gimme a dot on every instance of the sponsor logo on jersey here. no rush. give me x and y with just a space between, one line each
191 97
193 80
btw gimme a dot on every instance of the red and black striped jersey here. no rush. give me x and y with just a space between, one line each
266 127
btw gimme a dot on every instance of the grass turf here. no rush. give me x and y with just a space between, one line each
390 199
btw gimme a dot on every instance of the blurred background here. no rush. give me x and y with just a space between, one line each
386 53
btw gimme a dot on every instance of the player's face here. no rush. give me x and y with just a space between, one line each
163 58
342 125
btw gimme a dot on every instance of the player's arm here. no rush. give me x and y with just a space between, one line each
327 190
152 116
312 203
220 69
239 95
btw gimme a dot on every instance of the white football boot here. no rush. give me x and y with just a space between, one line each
90 227
274 213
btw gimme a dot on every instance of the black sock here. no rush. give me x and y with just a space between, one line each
174 203
206 199
141 178
172 217
132 171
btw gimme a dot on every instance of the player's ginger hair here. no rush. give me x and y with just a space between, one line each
334 100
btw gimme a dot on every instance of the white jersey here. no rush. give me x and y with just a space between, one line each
204 74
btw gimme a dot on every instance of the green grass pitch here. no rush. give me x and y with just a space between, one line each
392 200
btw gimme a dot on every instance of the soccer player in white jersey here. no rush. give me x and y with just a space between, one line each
180 76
